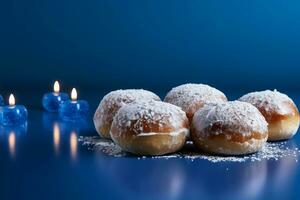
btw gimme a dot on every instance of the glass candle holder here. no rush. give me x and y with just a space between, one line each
12 114
52 100
74 110
19 129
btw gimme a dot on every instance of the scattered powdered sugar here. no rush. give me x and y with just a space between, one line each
236 116
113 101
137 114
106 146
271 151
189 96
270 101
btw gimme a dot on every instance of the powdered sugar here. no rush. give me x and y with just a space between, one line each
138 115
190 96
119 98
270 101
236 116
271 151
104 145
114 100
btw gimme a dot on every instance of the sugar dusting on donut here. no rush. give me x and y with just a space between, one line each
188 95
135 115
173 133
270 101
239 117
116 99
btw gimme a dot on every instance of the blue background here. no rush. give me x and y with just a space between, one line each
109 44
100 45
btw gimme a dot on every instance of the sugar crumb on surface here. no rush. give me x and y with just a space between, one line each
271 151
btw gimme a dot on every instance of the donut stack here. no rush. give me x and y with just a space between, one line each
140 123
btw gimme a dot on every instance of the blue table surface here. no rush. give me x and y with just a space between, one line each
43 164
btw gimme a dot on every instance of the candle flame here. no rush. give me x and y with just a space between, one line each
56 87
11 100
74 94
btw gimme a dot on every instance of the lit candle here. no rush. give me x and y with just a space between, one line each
13 114
52 100
73 110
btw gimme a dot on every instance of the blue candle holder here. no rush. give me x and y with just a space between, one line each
20 129
52 100
74 110
1 101
12 114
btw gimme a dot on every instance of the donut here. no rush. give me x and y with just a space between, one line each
230 128
150 128
112 102
279 110
190 97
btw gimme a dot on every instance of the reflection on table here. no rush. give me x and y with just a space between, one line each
73 145
64 133
12 143
49 146
11 135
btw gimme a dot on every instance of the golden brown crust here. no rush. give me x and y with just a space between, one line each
150 128
152 144
190 112
225 133
274 106
227 142
191 97
112 102
223 146
231 128
103 130
279 110
283 129
196 106
274 116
